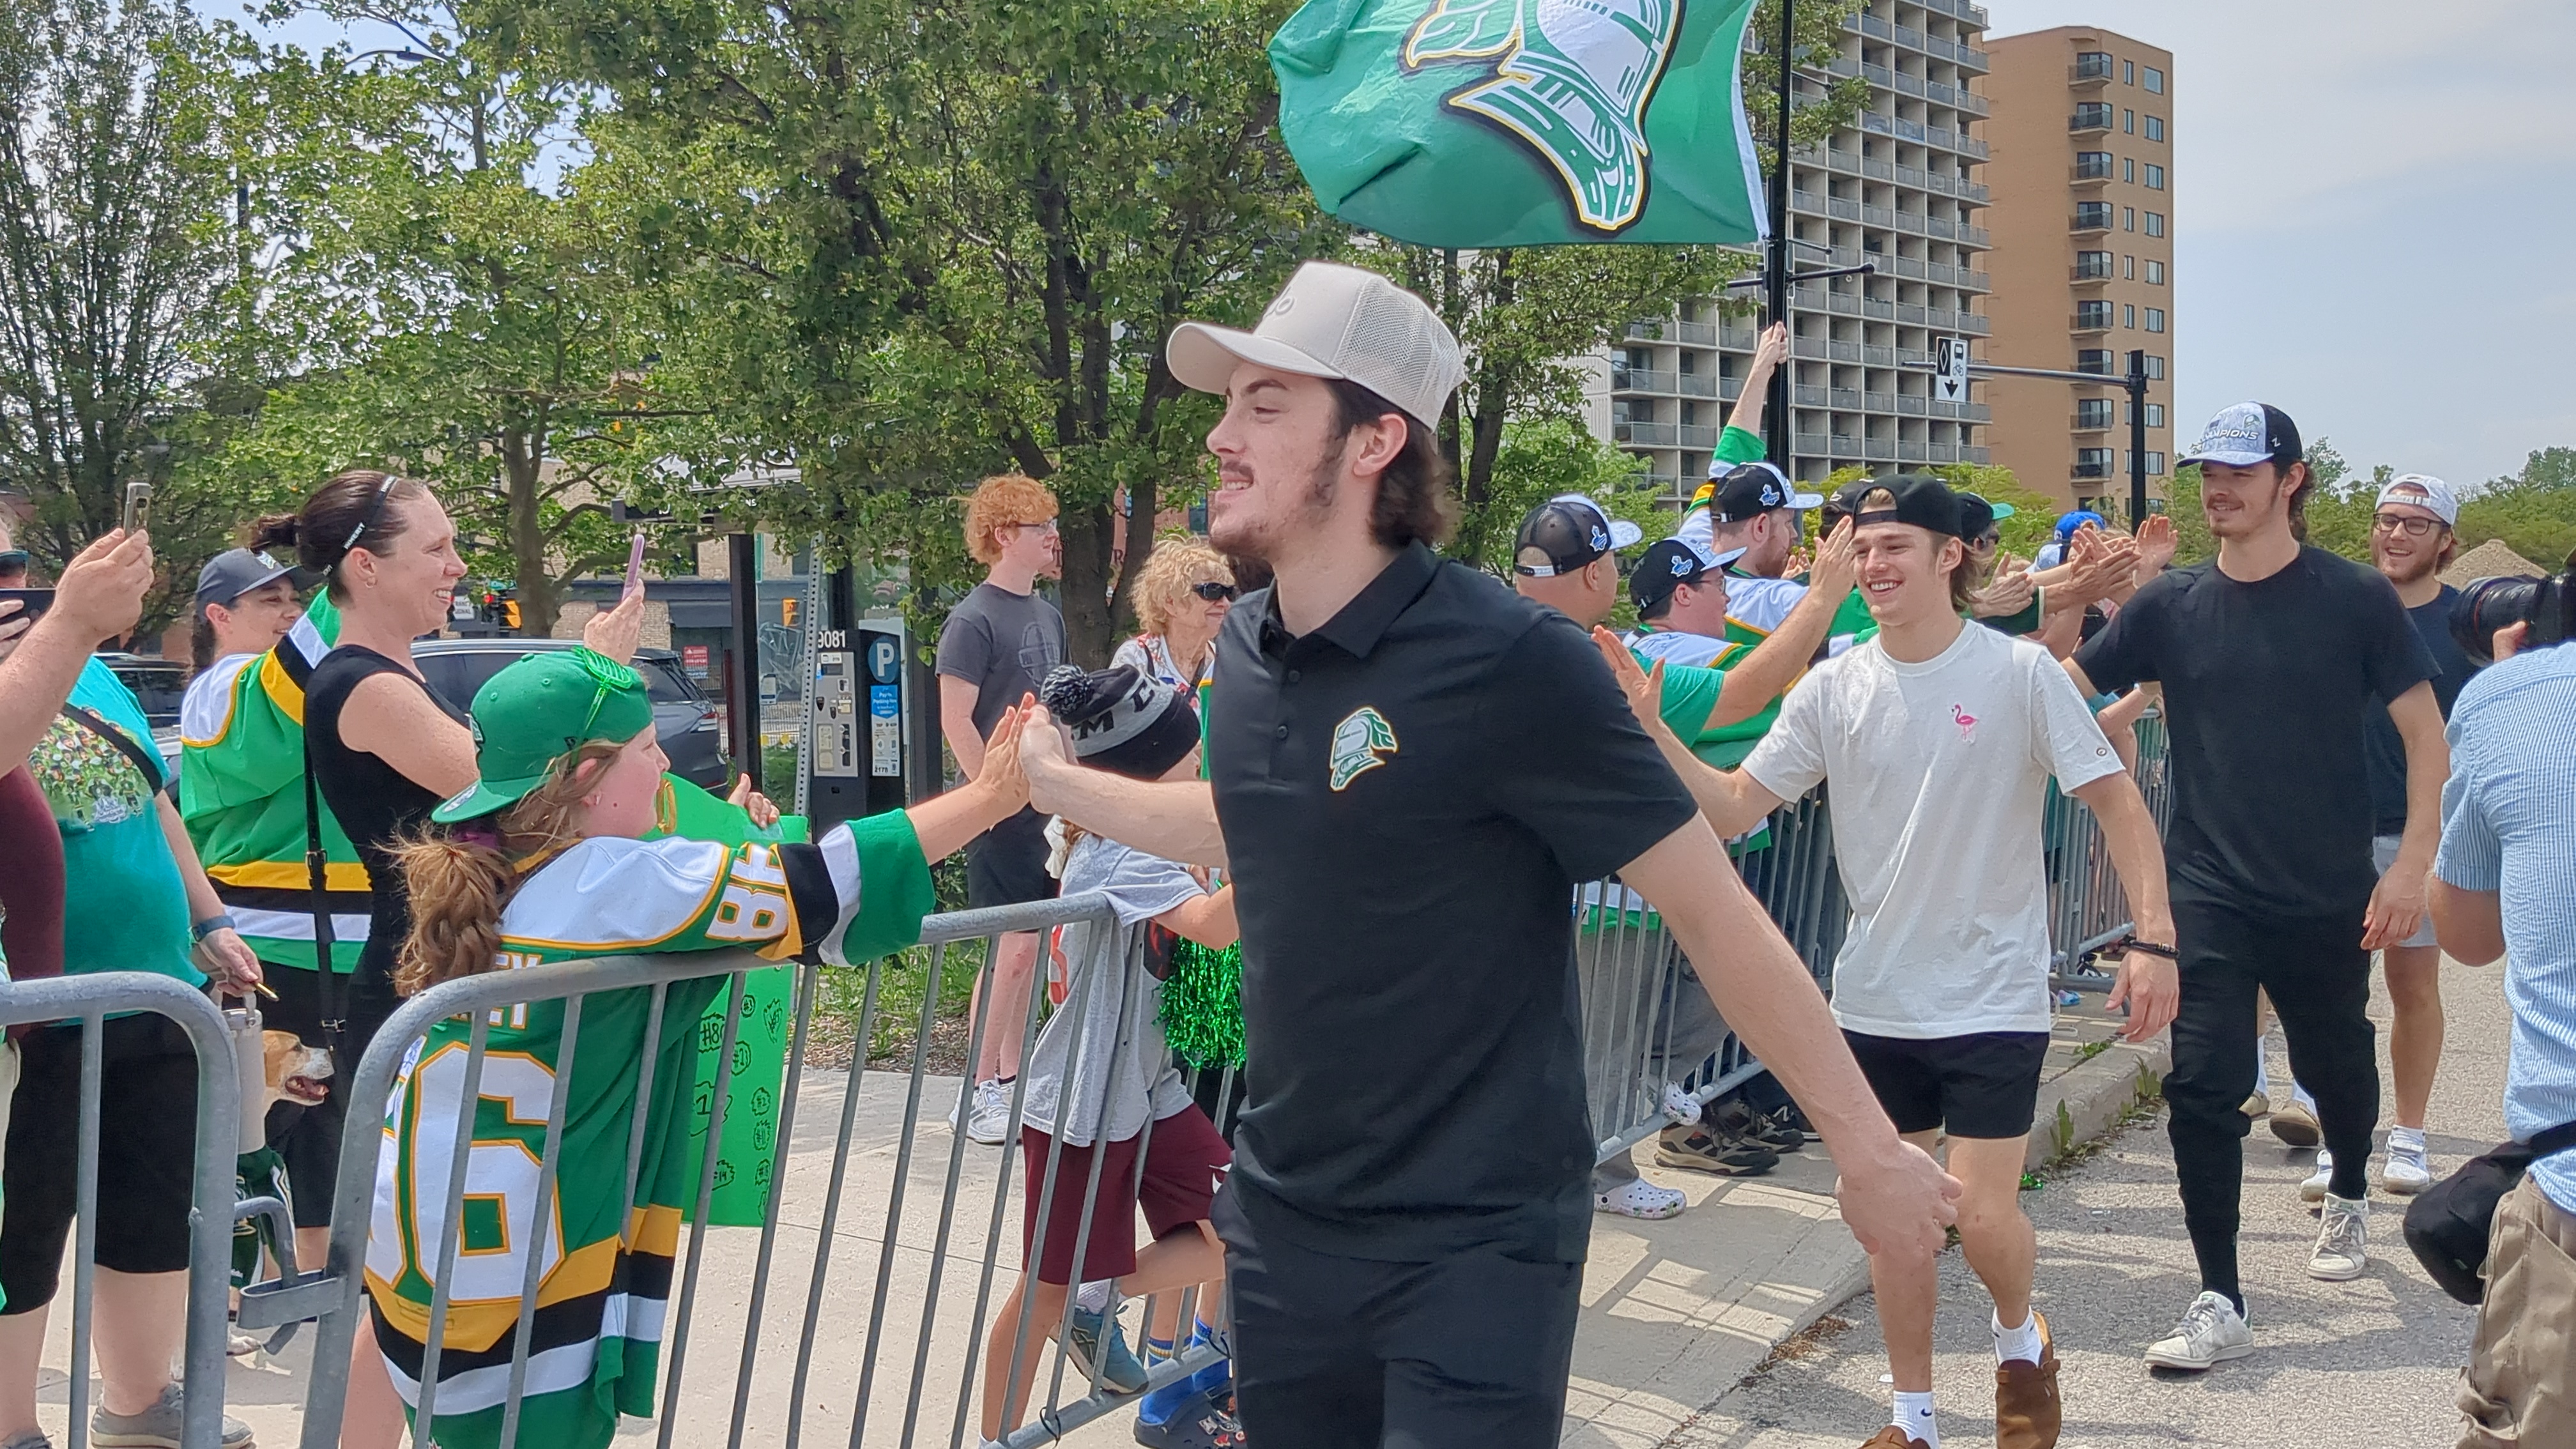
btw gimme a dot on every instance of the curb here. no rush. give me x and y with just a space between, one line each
2088 1099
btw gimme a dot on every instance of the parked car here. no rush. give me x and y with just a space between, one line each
159 684
689 725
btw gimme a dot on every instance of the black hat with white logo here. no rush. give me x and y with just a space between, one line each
1666 566
1749 490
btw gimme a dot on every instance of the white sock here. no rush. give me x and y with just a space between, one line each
2300 1095
2017 1343
1093 1297
2406 1137
1914 1416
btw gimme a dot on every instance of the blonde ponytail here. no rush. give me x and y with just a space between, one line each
460 880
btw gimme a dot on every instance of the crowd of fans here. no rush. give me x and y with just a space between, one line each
342 836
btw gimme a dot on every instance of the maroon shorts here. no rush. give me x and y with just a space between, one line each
1183 1160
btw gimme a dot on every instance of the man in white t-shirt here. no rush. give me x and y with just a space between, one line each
1941 740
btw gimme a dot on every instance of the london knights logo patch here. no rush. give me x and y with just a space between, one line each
1360 743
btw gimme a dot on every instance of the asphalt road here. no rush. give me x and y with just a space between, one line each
2369 1362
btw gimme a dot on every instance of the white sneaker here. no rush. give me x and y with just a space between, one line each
1641 1199
2407 1173
2211 1331
989 1120
2343 1236
2314 1189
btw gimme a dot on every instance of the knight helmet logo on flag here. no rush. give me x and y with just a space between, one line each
1487 123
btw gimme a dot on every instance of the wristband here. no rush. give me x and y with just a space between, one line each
2131 942
209 926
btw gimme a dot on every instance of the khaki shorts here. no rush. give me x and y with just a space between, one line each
2383 854
2519 1390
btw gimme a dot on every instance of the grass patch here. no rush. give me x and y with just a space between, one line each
2092 1049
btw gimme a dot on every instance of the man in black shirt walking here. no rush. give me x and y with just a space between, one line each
1410 768
2273 658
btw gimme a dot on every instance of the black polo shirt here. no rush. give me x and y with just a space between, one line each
1409 795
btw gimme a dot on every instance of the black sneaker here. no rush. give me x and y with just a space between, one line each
1200 1423
1697 1149
1737 1121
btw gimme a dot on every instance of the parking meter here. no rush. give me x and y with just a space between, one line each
855 719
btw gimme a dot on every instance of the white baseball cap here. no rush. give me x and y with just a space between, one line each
2423 490
1337 322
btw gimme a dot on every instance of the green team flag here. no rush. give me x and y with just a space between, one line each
1504 123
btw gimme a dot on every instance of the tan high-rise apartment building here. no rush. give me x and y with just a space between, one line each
2082 176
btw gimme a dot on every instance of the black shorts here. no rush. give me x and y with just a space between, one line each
309 1137
147 1153
1984 1084
1332 1352
1006 865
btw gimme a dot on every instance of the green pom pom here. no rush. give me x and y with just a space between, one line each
1203 1005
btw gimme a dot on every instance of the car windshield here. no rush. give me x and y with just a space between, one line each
159 687
457 675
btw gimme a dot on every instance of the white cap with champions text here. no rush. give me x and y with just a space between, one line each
2423 490
1338 322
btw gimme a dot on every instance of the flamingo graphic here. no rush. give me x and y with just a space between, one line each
1967 723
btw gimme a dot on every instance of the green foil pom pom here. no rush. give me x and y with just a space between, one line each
1203 1005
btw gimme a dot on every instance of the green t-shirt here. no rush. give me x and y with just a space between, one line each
2016 625
1690 695
124 906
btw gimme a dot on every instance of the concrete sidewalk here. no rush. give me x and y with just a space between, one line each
1674 1313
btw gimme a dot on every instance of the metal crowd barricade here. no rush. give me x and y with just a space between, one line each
88 1000
2087 909
890 1356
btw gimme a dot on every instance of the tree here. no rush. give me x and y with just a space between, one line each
437 310
947 242
112 247
2533 511
1543 457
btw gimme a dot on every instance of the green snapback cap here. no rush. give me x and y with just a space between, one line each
537 709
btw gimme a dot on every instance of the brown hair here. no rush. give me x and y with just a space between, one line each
1417 499
459 881
354 510
1163 584
1005 500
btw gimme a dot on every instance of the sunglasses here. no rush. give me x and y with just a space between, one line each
1213 591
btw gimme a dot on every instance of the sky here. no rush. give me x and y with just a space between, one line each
2373 210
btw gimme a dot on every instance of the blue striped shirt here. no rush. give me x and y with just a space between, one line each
2509 826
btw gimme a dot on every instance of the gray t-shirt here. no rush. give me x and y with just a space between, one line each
1118 1015
1002 643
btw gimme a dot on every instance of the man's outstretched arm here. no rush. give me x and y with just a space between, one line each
2149 984
1175 820
1894 1197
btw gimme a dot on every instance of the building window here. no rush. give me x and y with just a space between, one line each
2155 319
2093 412
2093 65
2092 165
2129 314
2090 315
2129 122
2155 274
2155 128
2155 367
2155 223
2155 80
2093 359
2091 266
2090 116
2128 72
2092 462
2128 218
2155 465
2155 177
2129 170
2128 269
2092 216
2155 415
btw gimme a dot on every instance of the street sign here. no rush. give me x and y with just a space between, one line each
1950 369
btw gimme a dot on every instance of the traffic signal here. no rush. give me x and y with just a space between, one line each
787 611
510 613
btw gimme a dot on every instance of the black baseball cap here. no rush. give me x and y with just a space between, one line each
2246 434
235 572
1566 533
1666 566
1916 498
1976 515
1749 490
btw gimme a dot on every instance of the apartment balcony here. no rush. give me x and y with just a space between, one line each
1878 402
1843 351
1879 450
1913 452
1808 397
2089 422
2090 320
2090 468
1979 456
2093 170
1976 236
1644 435
2091 116
1813 445
1877 356
1640 379
1695 334
2089 70
1879 216
1877 170
1811 348
1695 384
1971 281
1974 14
1913 405
1974 412
2090 216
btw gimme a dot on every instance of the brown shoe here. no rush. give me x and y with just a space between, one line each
1893 1437
2026 1407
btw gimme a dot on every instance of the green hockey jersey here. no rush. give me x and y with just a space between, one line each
241 792
594 1345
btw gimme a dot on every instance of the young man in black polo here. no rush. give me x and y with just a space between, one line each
2274 656
1410 770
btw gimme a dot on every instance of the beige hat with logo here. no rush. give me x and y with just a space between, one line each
1339 322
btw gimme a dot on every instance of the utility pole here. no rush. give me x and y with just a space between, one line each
1775 410
2137 383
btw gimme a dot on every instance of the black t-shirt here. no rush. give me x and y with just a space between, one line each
2268 689
374 802
2386 752
1002 643
1409 795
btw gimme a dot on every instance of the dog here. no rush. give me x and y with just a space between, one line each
297 1072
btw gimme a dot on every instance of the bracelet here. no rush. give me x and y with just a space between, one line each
209 926
2131 942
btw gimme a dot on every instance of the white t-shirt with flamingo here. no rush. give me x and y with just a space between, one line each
1940 773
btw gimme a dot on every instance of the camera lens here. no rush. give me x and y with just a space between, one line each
2487 605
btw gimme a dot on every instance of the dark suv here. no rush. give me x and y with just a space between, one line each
690 725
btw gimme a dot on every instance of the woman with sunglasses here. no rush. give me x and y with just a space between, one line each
1182 594
384 750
